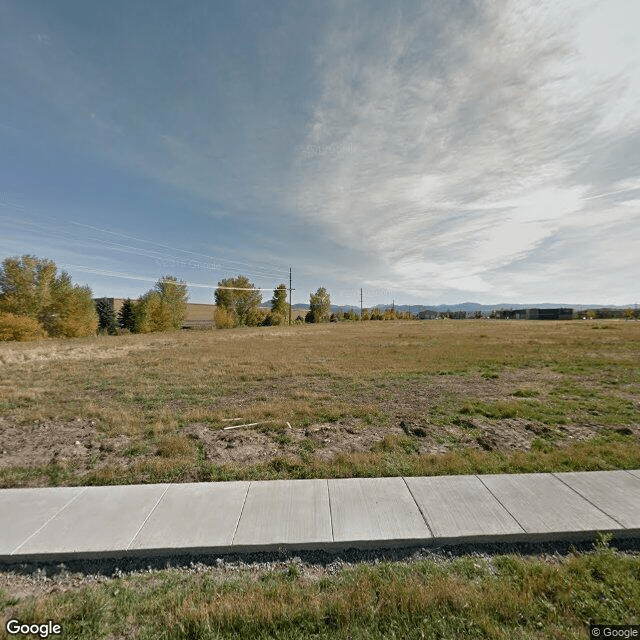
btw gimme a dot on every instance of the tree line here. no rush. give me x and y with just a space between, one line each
37 302
162 308
238 303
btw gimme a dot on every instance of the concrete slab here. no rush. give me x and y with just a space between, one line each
98 521
193 517
285 512
370 511
24 511
634 472
543 505
459 508
617 493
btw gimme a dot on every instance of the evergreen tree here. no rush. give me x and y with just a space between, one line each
126 315
106 315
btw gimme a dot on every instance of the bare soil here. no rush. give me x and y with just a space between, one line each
409 403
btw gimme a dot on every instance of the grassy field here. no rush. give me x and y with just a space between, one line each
377 398
381 398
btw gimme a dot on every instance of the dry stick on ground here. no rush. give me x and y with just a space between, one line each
249 424
237 426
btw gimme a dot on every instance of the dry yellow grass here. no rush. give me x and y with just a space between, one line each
430 388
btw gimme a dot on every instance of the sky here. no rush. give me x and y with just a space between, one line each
428 152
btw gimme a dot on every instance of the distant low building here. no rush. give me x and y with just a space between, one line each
537 314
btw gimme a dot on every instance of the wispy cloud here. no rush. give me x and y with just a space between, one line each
444 149
468 127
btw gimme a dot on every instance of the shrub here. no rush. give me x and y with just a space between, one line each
225 319
274 319
256 317
21 328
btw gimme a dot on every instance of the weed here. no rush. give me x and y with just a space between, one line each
525 393
293 571
135 449
542 444
283 439
491 410
172 446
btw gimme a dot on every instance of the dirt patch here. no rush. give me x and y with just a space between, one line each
260 444
58 442
80 443
27 445
424 413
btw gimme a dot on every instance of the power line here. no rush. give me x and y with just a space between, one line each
214 262
129 276
165 246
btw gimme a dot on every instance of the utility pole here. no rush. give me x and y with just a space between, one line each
360 303
289 296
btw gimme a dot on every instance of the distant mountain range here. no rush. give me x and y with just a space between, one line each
470 307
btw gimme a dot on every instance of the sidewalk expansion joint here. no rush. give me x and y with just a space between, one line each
244 502
333 537
589 501
57 513
502 504
155 506
424 517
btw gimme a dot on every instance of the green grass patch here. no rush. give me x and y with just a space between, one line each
135 449
564 405
496 410
525 393
497 598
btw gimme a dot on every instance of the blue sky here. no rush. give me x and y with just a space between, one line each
429 152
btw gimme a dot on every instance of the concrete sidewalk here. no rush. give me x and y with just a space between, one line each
225 517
